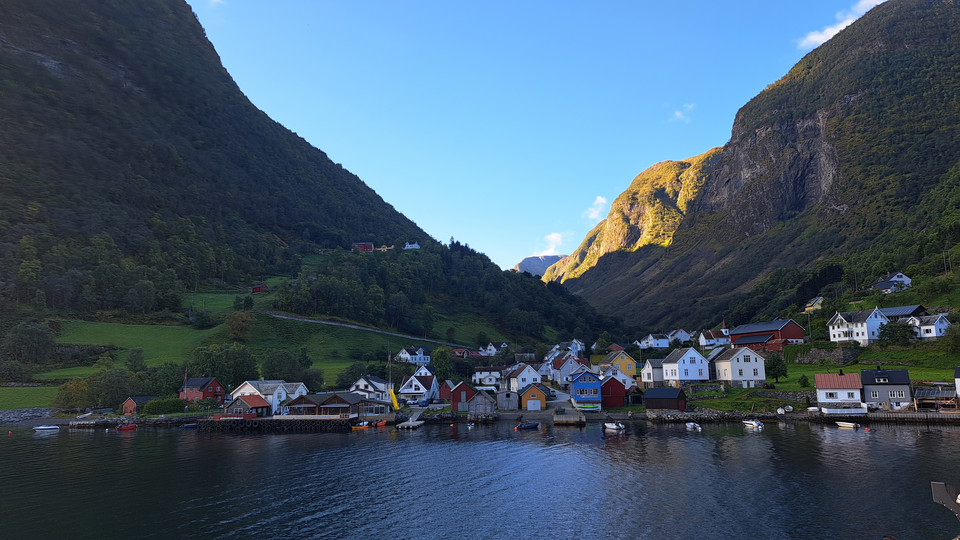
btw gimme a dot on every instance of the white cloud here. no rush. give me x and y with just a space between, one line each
844 19
683 114
596 211
554 241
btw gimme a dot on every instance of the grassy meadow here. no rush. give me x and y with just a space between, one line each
26 397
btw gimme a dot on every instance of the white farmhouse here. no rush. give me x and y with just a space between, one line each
860 326
740 367
685 366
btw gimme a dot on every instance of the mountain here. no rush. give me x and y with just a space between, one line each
120 124
537 264
134 170
845 168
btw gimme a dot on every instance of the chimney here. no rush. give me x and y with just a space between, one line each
841 371
878 367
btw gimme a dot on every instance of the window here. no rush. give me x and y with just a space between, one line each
686 372
882 380
755 373
896 394
746 358
875 394
849 395
831 395
740 372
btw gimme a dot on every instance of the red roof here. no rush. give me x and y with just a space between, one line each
253 401
849 381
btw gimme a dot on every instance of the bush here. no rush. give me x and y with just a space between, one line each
803 381
13 371
164 406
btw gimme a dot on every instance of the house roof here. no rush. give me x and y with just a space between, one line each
534 386
848 381
482 394
253 401
853 316
929 320
663 393
892 376
759 338
198 382
654 362
776 324
903 311
676 354
582 373
942 392
140 400
520 369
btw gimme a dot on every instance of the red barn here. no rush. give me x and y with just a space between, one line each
362 247
460 395
445 389
767 336
261 288
613 393
197 388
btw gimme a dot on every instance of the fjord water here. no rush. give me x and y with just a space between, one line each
786 481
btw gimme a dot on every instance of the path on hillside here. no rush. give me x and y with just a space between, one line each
356 327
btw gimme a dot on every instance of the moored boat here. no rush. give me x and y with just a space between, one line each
126 427
693 426
361 425
614 426
526 425
847 425
46 427
753 424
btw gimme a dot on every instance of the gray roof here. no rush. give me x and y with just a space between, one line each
761 338
853 316
935 392
903 311
768 326
663 393
658 362
893 376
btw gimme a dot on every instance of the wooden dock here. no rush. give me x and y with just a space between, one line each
413 422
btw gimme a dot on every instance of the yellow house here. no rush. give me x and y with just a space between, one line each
624 362
533 398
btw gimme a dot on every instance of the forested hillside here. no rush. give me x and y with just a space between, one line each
845 169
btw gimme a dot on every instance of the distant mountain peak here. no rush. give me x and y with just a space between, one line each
537 264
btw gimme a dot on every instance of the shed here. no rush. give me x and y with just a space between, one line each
508 400
613 393
481 403
134 404
665 398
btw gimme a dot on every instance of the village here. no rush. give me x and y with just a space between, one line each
569 376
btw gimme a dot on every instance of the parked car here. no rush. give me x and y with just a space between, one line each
425 402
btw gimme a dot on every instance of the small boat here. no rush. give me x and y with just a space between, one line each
46 427
753 424
788 408
526 425
126 427
188 426
361 425
848 425
781 410
693 426
379 423
614 426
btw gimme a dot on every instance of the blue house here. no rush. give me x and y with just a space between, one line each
585 391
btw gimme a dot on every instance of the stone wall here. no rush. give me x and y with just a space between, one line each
840 356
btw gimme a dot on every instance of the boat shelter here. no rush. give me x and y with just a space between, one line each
672 399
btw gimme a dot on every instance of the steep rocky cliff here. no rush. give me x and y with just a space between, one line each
825 161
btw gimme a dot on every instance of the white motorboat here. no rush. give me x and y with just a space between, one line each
753 424
848 425
46 427
693 426
614 426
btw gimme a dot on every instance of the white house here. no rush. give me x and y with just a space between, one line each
487 376
565 371
614 372
929 326
860 326
546 371
654 341
275 392
372 387
573 348
521 376
684 366
419 387
714 338
956 379
838 390
680 335
411 245
740 367
896 281
414 355
652 372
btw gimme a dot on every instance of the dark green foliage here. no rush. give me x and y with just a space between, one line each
29 343
895 333
13 371
110 387
350 375
804 382
281 364
230 364
135 361
164 406
776 367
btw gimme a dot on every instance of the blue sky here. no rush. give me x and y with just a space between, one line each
508 125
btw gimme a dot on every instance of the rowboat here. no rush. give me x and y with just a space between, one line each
614 426
753 424
46 427
126 427
848 425
693 426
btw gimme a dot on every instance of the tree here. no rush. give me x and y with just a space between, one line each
350 375
230 364
440 359
111 387
803 381
239 326
135 361
74 394
776 367
895 333
952 338
29 343
281 364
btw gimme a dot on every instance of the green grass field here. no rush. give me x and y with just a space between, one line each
26 397
159 343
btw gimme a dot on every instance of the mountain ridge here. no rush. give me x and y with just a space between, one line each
819 165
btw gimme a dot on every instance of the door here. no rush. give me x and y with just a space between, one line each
533 405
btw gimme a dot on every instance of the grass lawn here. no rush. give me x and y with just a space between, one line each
25 397
65 373
159 343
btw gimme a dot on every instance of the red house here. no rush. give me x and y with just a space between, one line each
460 395
197 388
613 393
445 389
767 336
362 247
134 404
261 288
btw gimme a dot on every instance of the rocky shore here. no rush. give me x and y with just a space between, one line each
30 417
